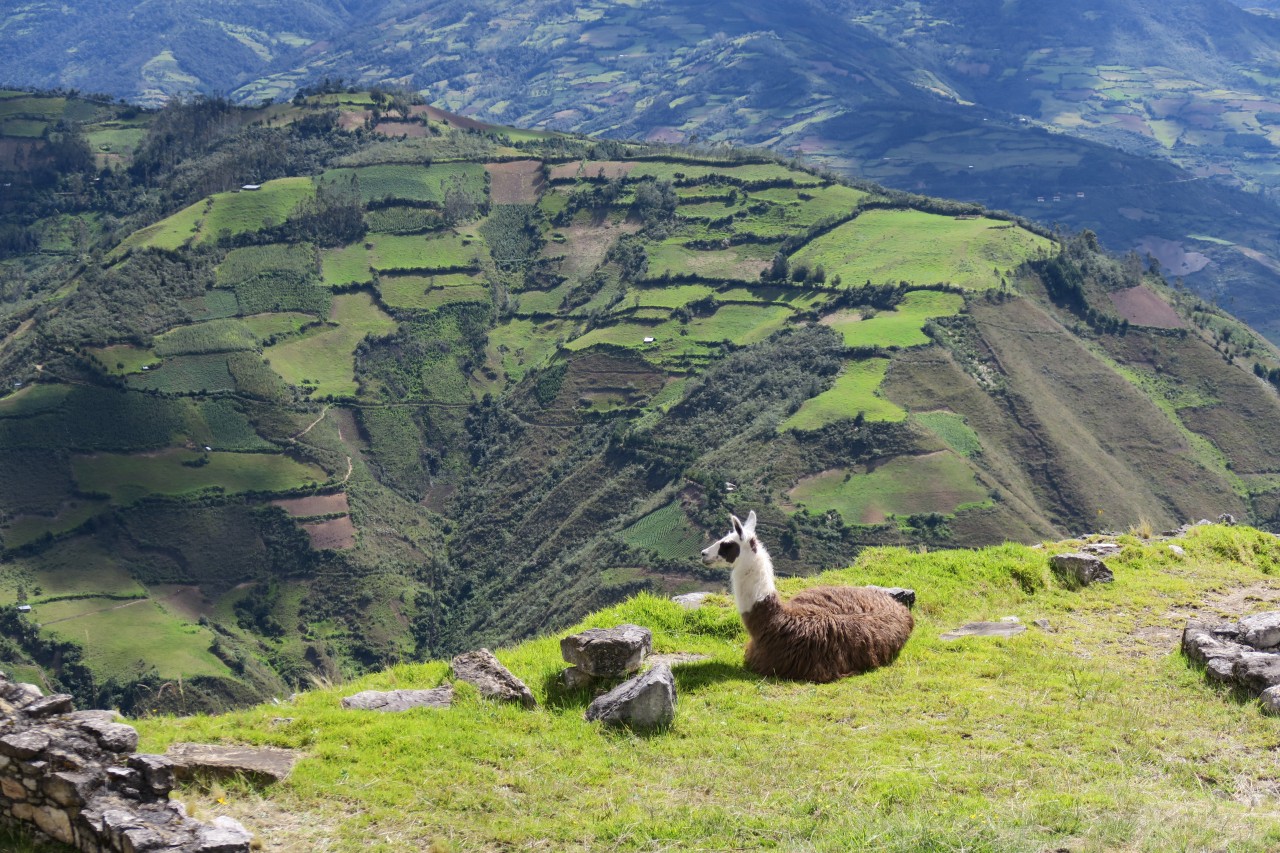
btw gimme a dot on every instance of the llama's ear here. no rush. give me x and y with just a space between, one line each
750 526
737 525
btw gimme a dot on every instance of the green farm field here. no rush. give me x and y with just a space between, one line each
413 251
80 567
855 391
231 212
741 324
901 327
128 477
322 359
410 182
922 248
665 531
347 265
937 482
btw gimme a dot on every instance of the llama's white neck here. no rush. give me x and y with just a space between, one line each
752 577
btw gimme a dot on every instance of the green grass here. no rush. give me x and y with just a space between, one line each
187 374
414 251
213 336
229 212
665 531
855 391
246 263
29 528
1090 737
921 248
119 636
518 345
740 324
952 429
427 293
122 359
33 400
938 482
128 477
265 326
348 265
901 327
323 359
412 183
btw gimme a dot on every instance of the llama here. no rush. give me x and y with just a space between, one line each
822 634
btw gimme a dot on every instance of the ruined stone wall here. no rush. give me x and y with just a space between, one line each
74 776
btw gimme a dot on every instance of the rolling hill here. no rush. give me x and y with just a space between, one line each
301 390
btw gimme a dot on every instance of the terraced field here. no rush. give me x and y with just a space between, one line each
129 477
936 483
321 360
225 213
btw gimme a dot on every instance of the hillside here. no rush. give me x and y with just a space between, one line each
1092 733
1152 124
308 389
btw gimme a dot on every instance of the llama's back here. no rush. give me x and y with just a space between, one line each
826 633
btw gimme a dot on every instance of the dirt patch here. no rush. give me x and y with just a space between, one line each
452 119
1174 259
189 602
592 169
873 515
852 315
352 119
310 507
1140 306
335 534
517 182
16 153
585 246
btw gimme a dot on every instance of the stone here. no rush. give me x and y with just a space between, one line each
691 600
264 765
400 700
225 835
1203 642
54 823
70 788
1081 568
1262 630
1178 550
1270 700
48 706
24 745
1257 670
902 595
575 677
113 737
491 678
1102 549
1221 669
608 652
647 701
19 695
1043 625
12 789
142 839
986 629
157 774
1227 519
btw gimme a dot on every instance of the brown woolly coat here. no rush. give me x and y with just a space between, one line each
825 633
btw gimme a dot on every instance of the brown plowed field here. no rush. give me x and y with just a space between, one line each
516 182
336 533
1141 307
314 505
592 168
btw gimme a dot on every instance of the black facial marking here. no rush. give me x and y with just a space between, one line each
755 545
729 551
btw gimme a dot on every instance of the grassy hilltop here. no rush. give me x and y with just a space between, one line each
313 388
1095 734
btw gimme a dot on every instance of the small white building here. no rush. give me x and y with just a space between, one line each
251 187
24 608
649 340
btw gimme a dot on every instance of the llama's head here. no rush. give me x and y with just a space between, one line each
742 534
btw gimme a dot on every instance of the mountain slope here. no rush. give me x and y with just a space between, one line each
403 384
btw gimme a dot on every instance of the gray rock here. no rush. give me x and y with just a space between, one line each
1081 568
72 789
264 764
1178 550
48 706
1257 670
575 677
491 678
1203 642
24 745
1043 625
691 600
1262 630
1221 669
225 835
113 737
400 700
902 595
157 774
608 652
1102 549
986 629
645 702
1270 700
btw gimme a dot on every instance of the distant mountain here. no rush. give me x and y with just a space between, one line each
948 99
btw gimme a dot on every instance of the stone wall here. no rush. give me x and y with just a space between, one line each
74 777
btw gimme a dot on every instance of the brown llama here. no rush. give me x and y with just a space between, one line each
822 634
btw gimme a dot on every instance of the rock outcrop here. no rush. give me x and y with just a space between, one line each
645 702
491 678
73 776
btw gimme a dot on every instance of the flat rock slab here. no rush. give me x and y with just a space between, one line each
400 700
491 678
1262 630
691 600
986 629
264 765
608 652
1082 568
647 701
902 595
1257 670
